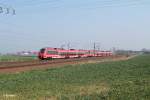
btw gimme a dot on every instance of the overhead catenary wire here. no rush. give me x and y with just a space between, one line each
94 4
116 4
99 4
86 4
33 3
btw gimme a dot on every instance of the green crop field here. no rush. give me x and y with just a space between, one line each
121 80
5 58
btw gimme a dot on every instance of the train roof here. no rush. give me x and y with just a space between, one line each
72 50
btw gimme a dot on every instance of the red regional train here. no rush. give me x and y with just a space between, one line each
50 53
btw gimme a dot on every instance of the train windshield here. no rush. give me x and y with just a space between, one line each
42 50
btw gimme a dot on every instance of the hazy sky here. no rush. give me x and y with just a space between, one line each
124 24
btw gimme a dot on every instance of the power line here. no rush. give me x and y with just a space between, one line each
99 4
38 3
84 5
116 4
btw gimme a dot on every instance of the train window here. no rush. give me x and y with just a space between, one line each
52 52
42 50
63 53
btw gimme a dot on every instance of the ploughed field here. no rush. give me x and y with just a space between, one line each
114 80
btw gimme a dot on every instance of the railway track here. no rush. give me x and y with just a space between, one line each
4 65
21 66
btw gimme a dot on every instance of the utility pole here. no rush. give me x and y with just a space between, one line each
94 48
98 47
62 46
1 10
68 45
14 12
7 10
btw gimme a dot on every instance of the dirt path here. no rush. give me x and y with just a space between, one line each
22 68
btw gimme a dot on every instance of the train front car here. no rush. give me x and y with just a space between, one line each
47 53
50 53
41 54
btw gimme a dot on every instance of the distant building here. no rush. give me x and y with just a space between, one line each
126 52
27 53
145 51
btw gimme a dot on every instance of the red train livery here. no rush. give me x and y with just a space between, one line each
47 53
